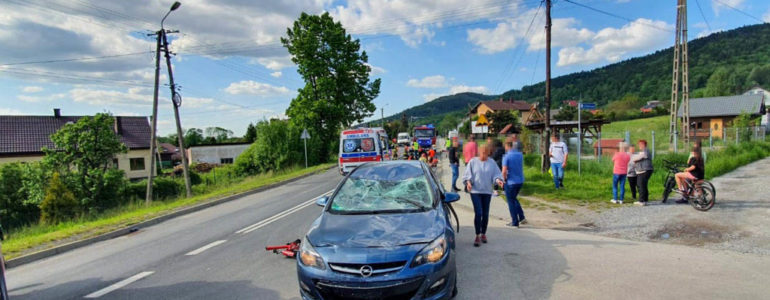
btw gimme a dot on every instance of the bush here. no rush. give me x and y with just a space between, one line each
269 152
167 188
20 194
59 204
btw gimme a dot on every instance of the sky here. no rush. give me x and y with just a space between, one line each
232 69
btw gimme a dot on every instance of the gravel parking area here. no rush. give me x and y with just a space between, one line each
739 221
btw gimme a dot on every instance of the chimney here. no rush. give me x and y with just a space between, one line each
118 126
57 112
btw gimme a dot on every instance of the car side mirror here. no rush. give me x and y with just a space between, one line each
451 197
322 201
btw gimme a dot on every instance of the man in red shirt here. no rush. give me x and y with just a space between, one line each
470 150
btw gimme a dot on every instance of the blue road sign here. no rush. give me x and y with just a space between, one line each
587 105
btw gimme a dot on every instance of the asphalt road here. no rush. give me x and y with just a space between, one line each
218 253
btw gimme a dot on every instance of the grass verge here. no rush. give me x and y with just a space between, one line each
42 236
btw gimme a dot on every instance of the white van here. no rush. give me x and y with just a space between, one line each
404 138
359 146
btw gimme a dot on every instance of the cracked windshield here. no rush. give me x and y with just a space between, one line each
384 149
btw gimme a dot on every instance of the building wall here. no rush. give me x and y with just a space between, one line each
5 160
124 163
482 110
215 153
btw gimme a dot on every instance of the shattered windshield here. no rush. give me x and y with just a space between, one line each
382 188
423 133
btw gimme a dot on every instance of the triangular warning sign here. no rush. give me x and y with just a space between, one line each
482 121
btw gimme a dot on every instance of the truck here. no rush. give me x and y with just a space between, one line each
425 136
404 138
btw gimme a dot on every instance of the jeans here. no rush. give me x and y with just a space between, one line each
641 181
558 174
514 207
632 184
481 211
618 180
455 174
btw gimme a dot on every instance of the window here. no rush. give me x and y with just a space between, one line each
358 145
716 126
226 160
115 163
136 164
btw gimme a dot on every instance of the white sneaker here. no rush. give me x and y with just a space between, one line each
620 201
639 203
614 201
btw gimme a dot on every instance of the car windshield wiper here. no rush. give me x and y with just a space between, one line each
416 203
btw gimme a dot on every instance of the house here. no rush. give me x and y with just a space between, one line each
608 147
216 154
22 139
715 113
169 154
573 103
758 90
522 107
650 106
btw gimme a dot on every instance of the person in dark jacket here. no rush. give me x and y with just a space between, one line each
643 167
454 163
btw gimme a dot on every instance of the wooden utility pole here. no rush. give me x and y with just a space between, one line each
154 121
547 131
176 102
680 72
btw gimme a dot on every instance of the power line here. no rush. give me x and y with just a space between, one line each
703 15
740 11
74 59
509 70
617 16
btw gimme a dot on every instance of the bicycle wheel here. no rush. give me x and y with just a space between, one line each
668 187
703 197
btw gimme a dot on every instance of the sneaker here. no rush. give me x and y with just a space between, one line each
477 242
614 201
484 238
639 203
523 222
620 201
512 225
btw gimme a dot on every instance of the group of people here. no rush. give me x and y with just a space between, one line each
483 170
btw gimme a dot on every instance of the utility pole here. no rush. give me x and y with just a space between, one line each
176 102
382 112
680 63
547 131
154 121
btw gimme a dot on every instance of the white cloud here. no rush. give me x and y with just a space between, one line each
132 97
249 87
564 34
720 5
612 44
275 63
431 96
9 111
32 89
45 98
435 81
375 70
464 89
276 74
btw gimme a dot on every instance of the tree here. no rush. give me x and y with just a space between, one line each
501 118
193 136
170 139
84 151
251 133
337 91
218 134
760 76
718 83
59 203
566 113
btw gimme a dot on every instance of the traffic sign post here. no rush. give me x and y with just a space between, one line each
305 136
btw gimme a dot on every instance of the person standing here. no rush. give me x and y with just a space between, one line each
558 152
619 171
479 177
643 167
454 164
631 173
513 175
470 149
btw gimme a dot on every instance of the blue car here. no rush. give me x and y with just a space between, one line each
385 233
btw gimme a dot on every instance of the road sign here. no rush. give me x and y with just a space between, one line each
482 121
305 135
588 106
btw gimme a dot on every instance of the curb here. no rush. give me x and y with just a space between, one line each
32 257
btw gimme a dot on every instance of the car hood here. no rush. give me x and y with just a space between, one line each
376 231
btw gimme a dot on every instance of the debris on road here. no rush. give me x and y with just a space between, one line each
289 250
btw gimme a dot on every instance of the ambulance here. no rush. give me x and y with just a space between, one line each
362 145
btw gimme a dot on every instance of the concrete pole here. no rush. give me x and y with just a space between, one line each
154 121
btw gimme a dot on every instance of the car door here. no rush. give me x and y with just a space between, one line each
439 188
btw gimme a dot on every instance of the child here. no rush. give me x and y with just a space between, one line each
695 170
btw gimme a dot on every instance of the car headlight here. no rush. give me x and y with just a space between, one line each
432 253
309 257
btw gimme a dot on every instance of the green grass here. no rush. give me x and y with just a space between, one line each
42 236
593 189
640 129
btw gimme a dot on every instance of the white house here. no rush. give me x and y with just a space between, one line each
216 154
758 90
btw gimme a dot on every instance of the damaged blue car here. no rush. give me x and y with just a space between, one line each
384 233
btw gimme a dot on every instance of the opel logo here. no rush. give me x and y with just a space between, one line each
366 271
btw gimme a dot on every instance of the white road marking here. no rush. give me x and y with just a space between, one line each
207 247
118 285
278 216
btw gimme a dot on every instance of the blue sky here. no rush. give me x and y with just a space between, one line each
233 71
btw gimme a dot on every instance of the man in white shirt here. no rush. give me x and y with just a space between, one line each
558 153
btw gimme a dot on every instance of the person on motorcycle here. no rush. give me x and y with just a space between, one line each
695 170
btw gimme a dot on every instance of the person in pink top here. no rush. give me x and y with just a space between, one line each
470 150
619 170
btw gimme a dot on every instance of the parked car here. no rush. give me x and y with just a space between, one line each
404 138
385 233
3 286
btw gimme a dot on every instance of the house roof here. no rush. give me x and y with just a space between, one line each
503 105
29 134
725 106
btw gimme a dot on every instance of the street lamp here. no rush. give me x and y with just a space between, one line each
173 8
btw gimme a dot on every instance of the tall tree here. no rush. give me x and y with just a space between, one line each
337 91
218 134
193 136
718 83
501 118
251 133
